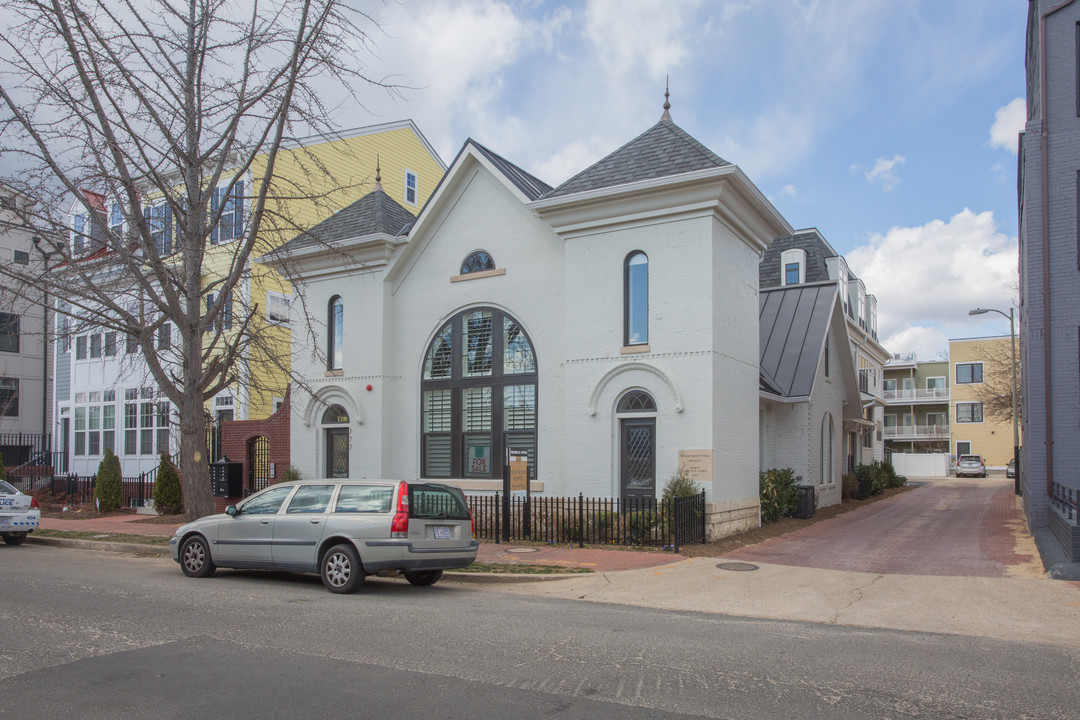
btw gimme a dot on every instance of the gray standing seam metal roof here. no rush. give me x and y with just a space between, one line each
663 150
374 213
793 322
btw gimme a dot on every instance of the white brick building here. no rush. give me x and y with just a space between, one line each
601 327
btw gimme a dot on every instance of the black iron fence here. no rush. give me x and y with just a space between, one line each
80 488
595 521
19 448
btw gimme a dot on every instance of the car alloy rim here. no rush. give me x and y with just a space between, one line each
194 555
338 569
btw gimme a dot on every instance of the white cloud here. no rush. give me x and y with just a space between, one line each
926 342
884 172
1008 124
634 36
930 276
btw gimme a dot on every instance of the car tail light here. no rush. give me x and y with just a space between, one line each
399 528
472 523
34 503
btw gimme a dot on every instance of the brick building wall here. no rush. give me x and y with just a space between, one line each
236 435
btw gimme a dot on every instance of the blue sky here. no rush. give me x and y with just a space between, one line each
889 125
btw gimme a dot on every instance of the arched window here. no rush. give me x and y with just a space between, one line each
826 449
637 444
478 396
636 300
335 325
335 421
477 262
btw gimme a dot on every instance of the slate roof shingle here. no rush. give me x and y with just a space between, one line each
375 213
663 150
531 186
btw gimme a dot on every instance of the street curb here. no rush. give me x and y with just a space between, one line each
120 547
467 577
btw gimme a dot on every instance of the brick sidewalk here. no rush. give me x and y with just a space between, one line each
600 560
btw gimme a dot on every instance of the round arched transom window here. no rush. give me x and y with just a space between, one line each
478 396
637 401
335 415
477 262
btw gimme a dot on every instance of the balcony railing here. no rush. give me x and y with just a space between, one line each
931 395
916 432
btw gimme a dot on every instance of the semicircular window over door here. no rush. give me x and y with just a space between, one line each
478 396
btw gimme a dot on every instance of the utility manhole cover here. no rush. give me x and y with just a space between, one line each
521 550
737 566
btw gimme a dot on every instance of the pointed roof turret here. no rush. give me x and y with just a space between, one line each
663 150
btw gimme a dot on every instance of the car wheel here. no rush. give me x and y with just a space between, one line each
14 538
195 558
341 570
425 578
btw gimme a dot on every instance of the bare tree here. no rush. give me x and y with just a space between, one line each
995 392
149 116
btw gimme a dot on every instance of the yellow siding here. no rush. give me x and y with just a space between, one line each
311 184
990 438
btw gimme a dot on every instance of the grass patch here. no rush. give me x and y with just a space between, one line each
102 537
508 569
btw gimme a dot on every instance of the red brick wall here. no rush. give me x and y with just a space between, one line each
235 435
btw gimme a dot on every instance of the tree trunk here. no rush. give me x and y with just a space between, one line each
194 468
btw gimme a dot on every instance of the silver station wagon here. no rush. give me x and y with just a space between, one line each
341 529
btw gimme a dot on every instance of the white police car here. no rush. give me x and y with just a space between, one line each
19 514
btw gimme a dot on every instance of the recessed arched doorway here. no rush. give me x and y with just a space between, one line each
335 423
258 463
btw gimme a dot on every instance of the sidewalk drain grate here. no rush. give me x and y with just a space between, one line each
737 566
521 550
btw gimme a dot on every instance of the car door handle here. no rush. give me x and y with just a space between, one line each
315 522
264 522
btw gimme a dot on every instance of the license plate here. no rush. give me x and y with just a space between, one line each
442 532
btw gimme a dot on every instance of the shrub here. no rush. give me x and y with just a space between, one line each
873 477
779 494
3 472
892 480
290 474
849 487
109 486
639 527
167 497
679 485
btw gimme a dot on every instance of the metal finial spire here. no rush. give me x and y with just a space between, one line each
378 173
666 117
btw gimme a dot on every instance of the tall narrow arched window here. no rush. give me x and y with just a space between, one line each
335 325
827 441
636 300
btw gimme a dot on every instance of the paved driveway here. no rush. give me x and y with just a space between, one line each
948 526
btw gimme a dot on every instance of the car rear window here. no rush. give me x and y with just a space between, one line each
7 489
364 499
436 501
970 458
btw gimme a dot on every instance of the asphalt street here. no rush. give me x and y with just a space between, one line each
104 635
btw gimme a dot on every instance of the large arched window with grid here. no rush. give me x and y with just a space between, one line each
478 396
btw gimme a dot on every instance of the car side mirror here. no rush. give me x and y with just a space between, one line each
231 511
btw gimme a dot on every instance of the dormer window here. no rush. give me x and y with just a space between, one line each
477 262
793 266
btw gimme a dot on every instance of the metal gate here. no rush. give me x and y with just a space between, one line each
258 452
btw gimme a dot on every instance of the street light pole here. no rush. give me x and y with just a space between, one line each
1015 417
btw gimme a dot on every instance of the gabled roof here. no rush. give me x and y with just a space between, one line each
664 149
529 185
793 323
375 213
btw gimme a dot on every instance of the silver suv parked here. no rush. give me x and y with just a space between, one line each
970 465
341 529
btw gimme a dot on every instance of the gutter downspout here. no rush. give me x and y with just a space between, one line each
44 347
1044 138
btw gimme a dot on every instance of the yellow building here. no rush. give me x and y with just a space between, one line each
313 179
973 362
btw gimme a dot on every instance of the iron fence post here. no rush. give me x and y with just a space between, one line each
581 519
703 524
675 521
498 512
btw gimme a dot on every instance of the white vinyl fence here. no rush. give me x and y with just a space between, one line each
921 464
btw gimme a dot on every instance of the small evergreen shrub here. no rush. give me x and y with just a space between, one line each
3 472
873 477
892 480
291 473
109 486
849 486
167 497
679 485
779 494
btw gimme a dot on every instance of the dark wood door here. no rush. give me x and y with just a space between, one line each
337 452
638 457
